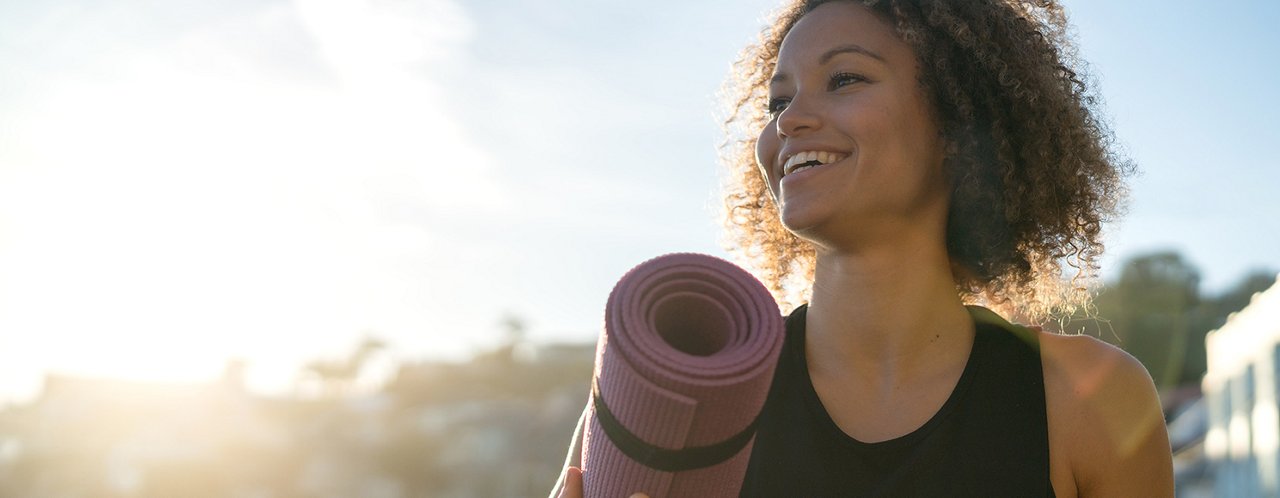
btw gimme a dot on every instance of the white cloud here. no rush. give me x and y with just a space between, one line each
364 36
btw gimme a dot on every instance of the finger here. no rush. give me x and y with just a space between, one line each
572 484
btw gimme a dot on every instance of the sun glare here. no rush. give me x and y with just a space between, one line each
183 205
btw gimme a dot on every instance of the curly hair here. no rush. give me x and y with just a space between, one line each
1032 168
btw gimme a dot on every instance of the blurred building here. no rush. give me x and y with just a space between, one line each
497 425
87 436
1242 446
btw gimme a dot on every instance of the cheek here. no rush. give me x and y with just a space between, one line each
766 150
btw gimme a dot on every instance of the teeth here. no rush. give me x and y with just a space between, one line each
793 163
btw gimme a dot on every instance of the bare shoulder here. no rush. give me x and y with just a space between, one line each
1105 422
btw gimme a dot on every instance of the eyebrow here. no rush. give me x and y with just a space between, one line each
850 48
826 57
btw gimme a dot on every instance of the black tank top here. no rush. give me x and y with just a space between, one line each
990 438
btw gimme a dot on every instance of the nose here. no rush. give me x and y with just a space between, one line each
799 116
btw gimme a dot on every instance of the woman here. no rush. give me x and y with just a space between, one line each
912 156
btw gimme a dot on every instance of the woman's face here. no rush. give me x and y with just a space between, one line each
851 150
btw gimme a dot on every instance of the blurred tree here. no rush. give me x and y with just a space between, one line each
1237 297
1155 312
514 329
1150 309
1212 313
337 376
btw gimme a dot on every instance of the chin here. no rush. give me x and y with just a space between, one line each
800 222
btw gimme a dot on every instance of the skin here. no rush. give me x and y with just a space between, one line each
887 336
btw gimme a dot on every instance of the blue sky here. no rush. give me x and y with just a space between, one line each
182 182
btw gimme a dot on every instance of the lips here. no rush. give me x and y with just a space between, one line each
810 159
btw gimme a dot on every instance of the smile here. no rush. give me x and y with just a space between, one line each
809 159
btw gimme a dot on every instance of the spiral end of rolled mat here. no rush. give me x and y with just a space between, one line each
683 367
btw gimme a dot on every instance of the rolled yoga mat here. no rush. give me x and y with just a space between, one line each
682 370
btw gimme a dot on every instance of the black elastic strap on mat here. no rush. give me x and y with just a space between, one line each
667 460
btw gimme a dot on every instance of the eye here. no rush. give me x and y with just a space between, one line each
776 105
839 80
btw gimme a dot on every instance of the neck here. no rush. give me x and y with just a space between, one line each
886 316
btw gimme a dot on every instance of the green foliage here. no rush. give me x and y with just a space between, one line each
1156 312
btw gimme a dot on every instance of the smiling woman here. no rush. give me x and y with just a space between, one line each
1002 94
913 157
840 99
896 163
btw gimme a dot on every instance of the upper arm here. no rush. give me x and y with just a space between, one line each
1108 418
574 458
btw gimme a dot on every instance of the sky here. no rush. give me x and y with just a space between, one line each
185 182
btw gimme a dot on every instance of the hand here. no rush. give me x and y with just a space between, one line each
573 485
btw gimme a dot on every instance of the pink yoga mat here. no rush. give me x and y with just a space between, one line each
682 370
